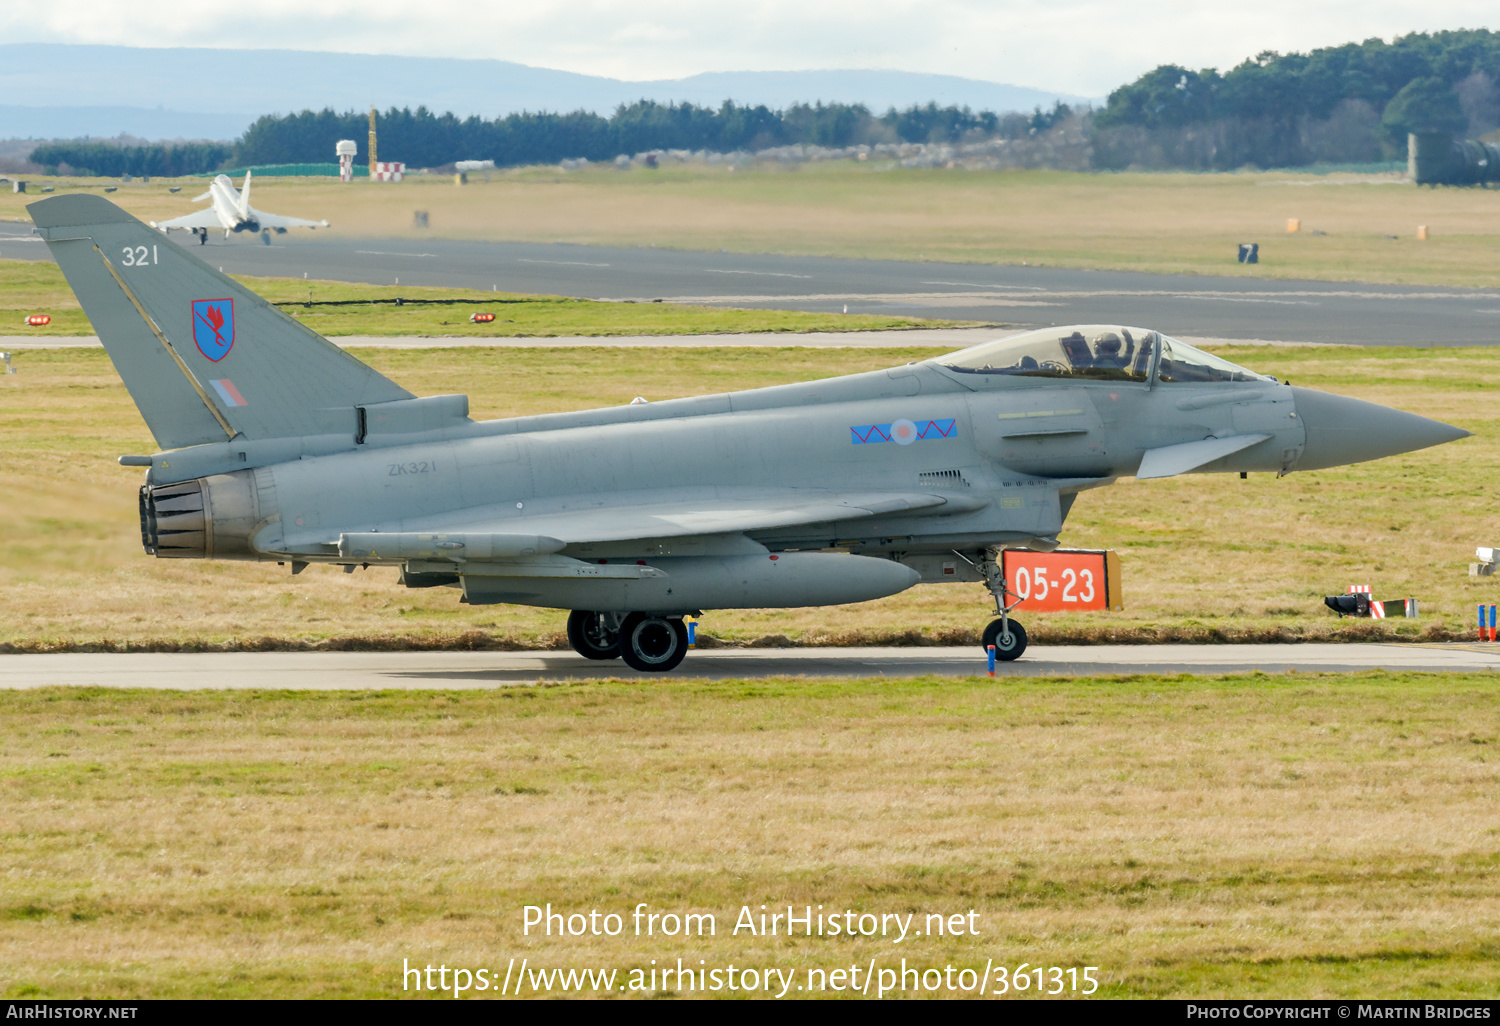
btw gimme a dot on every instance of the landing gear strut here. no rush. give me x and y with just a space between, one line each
594 635
1007 635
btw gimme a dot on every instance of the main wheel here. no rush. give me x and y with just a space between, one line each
652 644
592 635
1007 647
265 237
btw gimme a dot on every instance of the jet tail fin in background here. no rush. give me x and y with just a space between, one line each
204 358
245 197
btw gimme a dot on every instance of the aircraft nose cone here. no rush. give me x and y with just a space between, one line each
1342 430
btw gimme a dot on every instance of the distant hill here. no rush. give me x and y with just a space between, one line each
50 91
111 122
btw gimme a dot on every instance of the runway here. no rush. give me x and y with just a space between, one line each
360 671
1180 305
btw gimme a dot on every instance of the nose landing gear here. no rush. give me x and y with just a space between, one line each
1007 635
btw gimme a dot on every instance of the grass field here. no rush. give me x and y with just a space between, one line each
29 287
1299 836
1175 223
1205 557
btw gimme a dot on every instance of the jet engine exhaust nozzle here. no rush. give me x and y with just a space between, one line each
206 518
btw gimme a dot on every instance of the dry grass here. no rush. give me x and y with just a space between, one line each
1205 557
1176 223
1262 836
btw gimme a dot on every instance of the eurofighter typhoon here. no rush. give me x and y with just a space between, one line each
278 446
231 211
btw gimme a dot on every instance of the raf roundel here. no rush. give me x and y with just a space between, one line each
213 327
903 432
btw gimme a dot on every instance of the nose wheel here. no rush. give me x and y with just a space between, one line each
1008 637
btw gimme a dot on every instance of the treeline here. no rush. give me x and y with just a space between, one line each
421 138
1355 102
110 161
1342 104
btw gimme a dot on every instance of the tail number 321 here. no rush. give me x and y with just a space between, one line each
138 256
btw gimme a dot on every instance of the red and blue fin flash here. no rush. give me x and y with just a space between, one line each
227 392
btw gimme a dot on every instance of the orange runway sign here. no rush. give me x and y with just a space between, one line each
1068 580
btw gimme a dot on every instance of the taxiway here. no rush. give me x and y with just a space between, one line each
360 671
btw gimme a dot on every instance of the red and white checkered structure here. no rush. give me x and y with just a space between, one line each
346 149
388 171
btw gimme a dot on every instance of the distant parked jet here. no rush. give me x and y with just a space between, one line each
232 212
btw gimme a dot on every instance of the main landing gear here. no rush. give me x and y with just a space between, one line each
1007 635
649 643
594 635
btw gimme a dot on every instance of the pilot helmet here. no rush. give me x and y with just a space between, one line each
1107 344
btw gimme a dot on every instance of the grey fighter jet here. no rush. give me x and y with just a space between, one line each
231 211
278 446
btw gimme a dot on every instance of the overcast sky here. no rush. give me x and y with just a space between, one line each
1085 47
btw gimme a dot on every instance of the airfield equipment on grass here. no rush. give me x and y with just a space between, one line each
277 445
1359 603
1436 158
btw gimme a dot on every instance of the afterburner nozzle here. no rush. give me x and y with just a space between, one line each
1342 430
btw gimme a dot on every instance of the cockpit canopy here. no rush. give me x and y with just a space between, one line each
1096 352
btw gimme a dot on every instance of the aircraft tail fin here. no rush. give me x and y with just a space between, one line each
245 197
204 358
